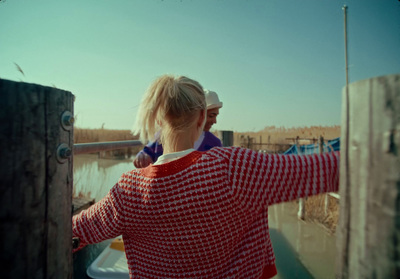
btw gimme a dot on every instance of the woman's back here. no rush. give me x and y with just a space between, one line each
190 220
205 215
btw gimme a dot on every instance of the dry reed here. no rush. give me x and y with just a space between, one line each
315 211
100 135
282 135
103 135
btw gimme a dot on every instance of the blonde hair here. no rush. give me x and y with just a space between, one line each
171 103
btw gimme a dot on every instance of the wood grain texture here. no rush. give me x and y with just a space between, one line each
368 236
35 189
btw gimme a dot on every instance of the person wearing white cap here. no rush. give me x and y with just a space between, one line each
206 141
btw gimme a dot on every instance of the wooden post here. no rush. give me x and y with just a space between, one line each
226 138
320 151
301 213
36 139
321 145
368 240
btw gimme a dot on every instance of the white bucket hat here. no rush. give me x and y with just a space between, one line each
212 99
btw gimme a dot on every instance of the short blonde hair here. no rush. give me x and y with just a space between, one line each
171 102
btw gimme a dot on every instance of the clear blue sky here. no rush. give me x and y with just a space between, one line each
272 62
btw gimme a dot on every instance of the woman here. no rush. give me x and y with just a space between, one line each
206 141
199 214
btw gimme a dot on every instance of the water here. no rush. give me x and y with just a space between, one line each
94 177
310 242
303 250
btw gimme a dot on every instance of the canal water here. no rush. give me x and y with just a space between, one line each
303 250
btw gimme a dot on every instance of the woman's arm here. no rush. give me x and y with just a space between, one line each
103 220
266 179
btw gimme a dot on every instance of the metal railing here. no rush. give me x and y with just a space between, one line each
92 147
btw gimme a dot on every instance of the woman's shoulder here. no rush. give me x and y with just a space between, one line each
225 151
130 178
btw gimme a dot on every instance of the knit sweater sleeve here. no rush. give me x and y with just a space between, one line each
103 220
266 179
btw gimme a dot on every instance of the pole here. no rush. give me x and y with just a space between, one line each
343 238
345 44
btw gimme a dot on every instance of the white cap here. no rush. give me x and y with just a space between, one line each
212 99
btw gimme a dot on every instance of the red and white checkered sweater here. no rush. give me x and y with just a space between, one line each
204 215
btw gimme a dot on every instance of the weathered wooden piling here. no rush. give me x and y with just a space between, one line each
368 237
36 139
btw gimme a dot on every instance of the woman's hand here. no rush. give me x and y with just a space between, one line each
142 160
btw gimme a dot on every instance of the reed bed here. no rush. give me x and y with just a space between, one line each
315 212
102 135
282 135
99 135
270 134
